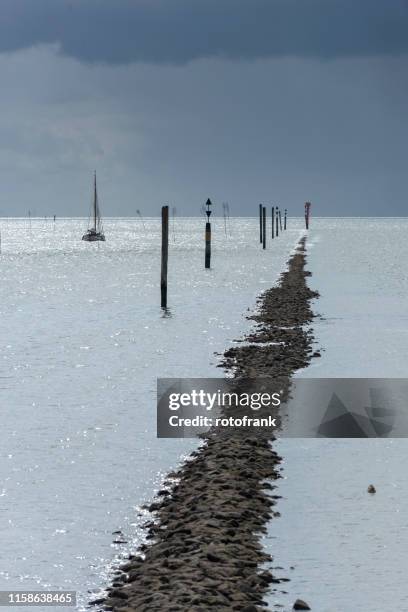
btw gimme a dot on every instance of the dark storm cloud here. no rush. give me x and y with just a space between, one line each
178 31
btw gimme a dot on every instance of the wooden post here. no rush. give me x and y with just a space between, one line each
284 222
264 227
208 245
164 255
208 235
260 224
280 220
277 221
307 214
273 222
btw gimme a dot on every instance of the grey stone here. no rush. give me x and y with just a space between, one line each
301 605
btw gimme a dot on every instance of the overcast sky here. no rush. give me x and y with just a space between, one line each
174 101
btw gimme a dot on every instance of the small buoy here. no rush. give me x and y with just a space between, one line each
371 489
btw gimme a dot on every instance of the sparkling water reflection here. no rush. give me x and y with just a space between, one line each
83 341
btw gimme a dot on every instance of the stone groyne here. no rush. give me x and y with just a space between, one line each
203 549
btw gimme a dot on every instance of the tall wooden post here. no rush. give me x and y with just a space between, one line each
280 220
273 221
164 255
260 224
307 214
208 244
277 221
285 217
264 227
208 235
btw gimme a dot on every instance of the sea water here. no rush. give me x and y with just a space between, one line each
83 341
342 548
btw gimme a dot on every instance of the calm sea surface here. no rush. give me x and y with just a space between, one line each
347 548
83 341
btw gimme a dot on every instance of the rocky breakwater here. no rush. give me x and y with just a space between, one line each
203 549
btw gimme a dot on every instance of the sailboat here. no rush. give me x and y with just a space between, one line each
95 232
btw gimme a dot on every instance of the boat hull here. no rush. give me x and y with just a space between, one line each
97 237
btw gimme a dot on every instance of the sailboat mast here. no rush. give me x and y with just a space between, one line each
95 202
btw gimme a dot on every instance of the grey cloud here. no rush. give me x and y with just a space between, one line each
278 132
178 31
